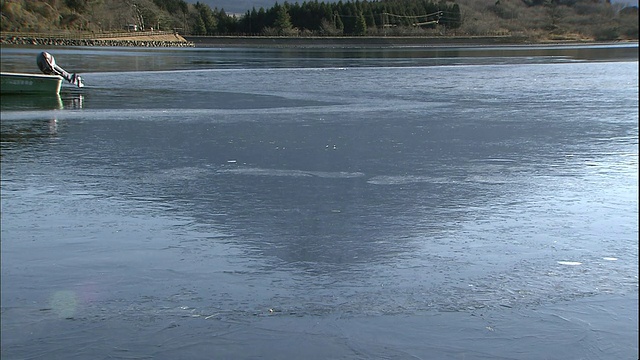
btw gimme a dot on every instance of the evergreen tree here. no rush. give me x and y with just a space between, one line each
225 24
197 24
349 18
282 22
360 26
370 19
208 19
338 22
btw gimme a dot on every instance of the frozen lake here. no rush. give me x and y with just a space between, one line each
449 203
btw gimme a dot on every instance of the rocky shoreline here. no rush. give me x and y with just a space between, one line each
51 41
175 40
253 41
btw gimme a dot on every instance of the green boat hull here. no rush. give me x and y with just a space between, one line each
20 83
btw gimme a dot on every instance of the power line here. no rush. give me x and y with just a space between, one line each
416 18
437 13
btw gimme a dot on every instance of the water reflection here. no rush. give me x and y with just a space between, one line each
14 133
31 102
27 102
73 101
162 59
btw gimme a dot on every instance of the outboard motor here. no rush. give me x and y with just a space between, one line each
48 66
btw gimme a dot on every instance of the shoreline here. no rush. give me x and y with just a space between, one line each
175 40
114 40
379 42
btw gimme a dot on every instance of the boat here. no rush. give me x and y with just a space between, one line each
48 82
23 83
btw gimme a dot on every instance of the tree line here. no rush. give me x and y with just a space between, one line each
329 18
534 19
359 17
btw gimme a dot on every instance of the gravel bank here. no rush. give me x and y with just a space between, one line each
140 41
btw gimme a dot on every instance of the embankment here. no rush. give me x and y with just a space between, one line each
137 40
349 42
169 39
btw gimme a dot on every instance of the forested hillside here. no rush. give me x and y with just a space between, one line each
532 19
